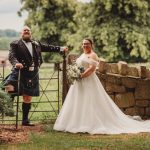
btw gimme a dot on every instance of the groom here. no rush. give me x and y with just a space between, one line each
25 55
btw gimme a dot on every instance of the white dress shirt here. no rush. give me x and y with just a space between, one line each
29 47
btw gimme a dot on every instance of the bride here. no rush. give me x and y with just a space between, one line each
89 109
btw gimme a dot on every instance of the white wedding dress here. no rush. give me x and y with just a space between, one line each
89 109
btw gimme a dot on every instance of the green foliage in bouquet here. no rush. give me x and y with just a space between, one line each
73 72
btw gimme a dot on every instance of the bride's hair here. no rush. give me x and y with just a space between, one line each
88 39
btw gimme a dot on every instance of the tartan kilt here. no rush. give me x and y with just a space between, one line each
29 82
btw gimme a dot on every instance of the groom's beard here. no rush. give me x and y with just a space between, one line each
26 37
27 40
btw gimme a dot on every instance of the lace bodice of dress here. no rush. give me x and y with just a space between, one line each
85 61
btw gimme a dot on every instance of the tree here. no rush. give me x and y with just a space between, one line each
120 29
82 27
6 36
50 20
8 33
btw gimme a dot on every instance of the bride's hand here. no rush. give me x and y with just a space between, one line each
81 75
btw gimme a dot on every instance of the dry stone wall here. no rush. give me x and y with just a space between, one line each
129 87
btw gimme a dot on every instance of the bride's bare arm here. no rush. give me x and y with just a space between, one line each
88 71
91 67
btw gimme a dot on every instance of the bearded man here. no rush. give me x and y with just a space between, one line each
25 55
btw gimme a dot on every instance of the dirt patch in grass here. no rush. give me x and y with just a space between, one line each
9 134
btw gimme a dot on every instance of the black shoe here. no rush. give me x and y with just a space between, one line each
27 123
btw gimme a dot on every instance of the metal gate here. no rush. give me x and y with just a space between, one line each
46 107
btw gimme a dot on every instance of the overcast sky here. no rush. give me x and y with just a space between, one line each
9 18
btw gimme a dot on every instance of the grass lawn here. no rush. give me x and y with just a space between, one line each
53 140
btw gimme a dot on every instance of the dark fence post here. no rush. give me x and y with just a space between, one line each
17 107
64 87
3 62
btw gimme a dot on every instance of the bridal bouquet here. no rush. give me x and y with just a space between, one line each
73 72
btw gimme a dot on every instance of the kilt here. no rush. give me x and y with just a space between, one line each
29 82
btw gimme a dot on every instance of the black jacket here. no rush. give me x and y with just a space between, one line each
19 53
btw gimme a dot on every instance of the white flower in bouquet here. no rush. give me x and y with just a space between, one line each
73 72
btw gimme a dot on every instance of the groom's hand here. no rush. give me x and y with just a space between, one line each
19 66
64 49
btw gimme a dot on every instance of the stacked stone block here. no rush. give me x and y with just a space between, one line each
129 87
